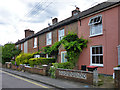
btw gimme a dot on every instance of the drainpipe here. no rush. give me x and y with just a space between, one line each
38 43
119 55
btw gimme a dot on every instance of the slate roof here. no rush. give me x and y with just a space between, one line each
71 19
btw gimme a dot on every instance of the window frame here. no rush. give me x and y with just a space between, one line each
94 24
59 36
35 42
21 46
47 39
92 64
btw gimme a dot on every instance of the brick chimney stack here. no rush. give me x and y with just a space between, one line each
75 12
54 21
28 32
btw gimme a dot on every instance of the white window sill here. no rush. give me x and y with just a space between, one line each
48 44
96 35
99 65
35 47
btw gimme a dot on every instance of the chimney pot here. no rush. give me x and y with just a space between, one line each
75 12
54 21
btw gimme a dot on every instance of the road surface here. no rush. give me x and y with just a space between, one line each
14 81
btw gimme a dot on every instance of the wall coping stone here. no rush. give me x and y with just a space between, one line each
75 70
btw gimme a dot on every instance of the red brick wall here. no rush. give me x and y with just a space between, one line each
119 25
31 48
109 40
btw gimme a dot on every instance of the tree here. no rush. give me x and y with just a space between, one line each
0 54
8 52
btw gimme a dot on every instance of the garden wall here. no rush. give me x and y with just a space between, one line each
41 71
76 75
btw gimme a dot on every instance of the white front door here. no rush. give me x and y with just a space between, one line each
63 54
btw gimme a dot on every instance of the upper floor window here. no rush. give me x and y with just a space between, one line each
49 38
17 46
95 24
96 55
35 42
60 34
21 46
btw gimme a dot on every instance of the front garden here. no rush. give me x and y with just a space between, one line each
71 43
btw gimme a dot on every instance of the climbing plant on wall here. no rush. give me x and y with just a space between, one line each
73 45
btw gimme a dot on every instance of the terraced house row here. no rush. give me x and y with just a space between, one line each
99 24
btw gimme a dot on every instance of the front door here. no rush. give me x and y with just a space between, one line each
63 54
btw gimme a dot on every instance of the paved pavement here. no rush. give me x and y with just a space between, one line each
57 83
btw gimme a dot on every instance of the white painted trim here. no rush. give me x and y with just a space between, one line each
50 38
91 64
93 18
21 46
96 34
35 42
116 68
60 35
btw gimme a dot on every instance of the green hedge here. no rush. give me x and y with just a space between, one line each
65 65
40 61
23 58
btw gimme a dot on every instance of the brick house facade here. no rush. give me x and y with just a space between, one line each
102 45
103 37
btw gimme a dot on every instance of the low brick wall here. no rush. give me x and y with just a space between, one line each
14 67
40 71
76 75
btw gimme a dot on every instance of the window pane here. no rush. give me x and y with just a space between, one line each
93 50
101 50
97 59
97 50
101 59
93 59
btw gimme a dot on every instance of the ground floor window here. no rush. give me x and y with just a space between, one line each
96 55
48 56
63 54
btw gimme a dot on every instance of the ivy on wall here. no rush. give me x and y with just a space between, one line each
73 45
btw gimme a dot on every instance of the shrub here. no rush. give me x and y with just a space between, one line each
13 62
40 61
66 65
52 71
23 58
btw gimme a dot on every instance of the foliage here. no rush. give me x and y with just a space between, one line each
52 71
53 50
40 61
0 54
118 66
23 58
65 65
13 62
9 51
36 53
73 46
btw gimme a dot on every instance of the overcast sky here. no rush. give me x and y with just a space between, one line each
18 15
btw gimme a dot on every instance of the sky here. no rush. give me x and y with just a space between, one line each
18 15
